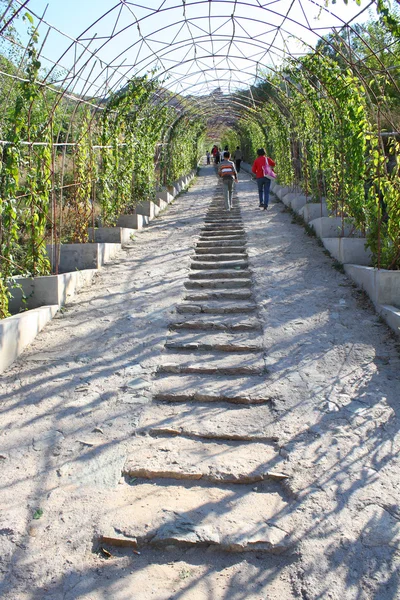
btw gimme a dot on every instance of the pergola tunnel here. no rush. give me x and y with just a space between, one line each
100 117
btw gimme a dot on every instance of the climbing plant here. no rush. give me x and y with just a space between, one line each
24 204
182 147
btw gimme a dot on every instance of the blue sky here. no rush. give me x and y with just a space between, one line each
188 66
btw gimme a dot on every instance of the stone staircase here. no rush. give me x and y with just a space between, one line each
204 470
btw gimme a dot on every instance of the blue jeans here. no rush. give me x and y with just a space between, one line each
263 184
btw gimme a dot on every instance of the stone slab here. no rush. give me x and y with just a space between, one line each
190 515
381 285
204 322
212 363
255 423
211 250
216 307
116 235
218 284
48 289
220 461
220 256
348 250
220 274
218 295
82 256
219 264
224 342
245 389
223 244
17 332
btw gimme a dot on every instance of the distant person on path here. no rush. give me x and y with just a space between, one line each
217 156
208 157
227 171
260 168
214 152
238 157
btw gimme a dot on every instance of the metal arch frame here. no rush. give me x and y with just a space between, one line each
121 72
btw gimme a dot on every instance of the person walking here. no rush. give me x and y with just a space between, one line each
208 157
238 157
261 165
227 171
217 156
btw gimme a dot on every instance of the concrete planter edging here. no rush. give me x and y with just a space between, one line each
19 331
113 235
348 250
391 315
134 221
48 289
311 211
83 256
381 285
329 227
383 288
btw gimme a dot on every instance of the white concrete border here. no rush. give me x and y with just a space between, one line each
48 289
391 315
19 331
313 210
348 250
114 235
83 256
330 227
381 285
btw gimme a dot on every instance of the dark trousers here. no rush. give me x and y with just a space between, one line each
238 161
263 184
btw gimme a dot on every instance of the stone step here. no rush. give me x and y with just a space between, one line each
227 237
215 257
216 323
219 264
222 229
211 363
189 514
218 284
224 245
220 274
245 390
222 295
219 212
218 461
223 342
217 308
224 250
223 221
208 421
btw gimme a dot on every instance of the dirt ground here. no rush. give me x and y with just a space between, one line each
73 406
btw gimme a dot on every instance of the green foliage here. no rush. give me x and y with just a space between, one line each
182 147
24 205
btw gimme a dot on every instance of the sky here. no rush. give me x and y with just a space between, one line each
124 38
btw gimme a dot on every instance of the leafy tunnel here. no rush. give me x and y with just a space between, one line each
101 111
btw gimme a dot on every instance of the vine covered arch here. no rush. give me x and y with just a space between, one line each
102 110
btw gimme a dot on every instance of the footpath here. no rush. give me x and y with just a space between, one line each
215 418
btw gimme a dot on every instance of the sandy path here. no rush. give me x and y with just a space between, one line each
72 404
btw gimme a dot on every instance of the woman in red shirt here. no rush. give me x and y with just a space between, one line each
263 183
